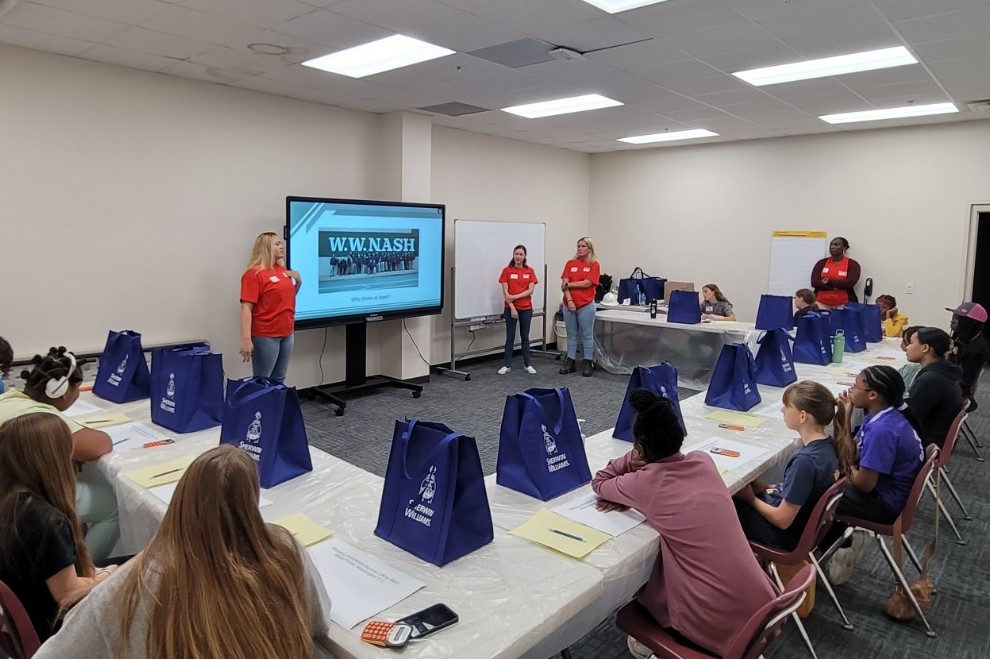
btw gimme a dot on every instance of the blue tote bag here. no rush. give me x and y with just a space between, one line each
186 388
813 343
872 319
683 307
434 503
775 312
540 449
850 320
774 360
733 384
123 372
662 381
263 418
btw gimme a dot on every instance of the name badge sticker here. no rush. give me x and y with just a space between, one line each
526 276
574 269
273 278
513 276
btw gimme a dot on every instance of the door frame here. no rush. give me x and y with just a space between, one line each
974 227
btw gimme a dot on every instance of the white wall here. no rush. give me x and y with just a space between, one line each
704 213
480 177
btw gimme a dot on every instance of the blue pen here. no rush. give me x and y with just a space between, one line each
568 535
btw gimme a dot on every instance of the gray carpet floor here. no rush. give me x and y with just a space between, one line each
959 612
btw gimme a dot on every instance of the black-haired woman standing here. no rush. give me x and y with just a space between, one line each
834 278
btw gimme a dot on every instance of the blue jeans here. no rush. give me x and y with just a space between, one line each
525 318
271 357
581 322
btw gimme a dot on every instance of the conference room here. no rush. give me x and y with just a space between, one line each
150 142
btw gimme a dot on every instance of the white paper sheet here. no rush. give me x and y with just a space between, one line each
582 509
165 493
360 586
725 463
130 436
772 411
80 408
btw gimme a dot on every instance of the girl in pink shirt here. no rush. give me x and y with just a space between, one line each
706 582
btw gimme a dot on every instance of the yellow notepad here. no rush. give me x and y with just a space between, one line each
730 417
103 419
562 534
161 474
304 529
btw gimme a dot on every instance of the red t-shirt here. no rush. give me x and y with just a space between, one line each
834 272
519 280
576 270
273 294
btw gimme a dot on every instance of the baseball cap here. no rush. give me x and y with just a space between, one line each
970 310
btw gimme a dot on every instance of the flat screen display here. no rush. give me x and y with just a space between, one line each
364 260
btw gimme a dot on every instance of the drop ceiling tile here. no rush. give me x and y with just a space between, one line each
722 39
671 103
159 43
769 54
905 94
822 20
598 33
412 18
193 24
636 56
443 70
333 30
62 23
965 23
269 86
260 13
747 95
896 10
670 18
121 11
952 49
530 17
300 50
675 72
128 58
758 9
201 72
52 43
239 62
327 97
322 80
466 32
710 85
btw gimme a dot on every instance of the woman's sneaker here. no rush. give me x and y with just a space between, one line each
530 370
638 650
503 371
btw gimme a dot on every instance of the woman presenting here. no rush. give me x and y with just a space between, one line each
268 308
834 278
518 281
578 282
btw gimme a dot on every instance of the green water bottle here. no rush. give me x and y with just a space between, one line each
838 345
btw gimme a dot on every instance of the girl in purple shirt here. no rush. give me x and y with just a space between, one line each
706 582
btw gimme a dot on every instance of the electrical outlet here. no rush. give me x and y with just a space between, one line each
909 288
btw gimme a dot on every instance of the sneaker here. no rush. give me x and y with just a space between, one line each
503 371
840 566
638 650
530 370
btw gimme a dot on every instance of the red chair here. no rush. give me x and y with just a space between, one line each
18 638
879 530
947 448
819 522
751 640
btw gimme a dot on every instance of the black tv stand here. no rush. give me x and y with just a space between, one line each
356 378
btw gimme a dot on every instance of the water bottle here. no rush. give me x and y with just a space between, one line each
838 345
642 299
653 308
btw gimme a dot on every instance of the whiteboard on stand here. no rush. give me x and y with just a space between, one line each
792 256
481 250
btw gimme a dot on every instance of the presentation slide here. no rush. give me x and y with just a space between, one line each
365 259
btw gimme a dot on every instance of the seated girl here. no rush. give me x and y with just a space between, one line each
935 397
777 517
715 306
52 386
43 557
910 370
804 302
893 320
706 582
216 581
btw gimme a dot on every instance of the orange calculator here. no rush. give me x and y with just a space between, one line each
386 633
731 453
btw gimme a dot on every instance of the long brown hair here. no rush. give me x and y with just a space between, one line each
36 458
816 400
220 583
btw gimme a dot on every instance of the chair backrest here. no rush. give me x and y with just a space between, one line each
950 438
17 635
820 519
932 453
765 625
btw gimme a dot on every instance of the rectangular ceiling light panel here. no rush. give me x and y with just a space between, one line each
829 66
615 6
693 134
385 54
562 106
891 113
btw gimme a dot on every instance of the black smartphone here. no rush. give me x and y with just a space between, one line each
428 621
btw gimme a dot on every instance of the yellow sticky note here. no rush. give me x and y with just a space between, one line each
562 534
304 529
730 417
101 420
161 474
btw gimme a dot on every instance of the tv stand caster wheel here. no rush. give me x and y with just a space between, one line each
468 377
416 395
340 412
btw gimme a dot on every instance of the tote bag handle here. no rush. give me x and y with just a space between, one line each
559 425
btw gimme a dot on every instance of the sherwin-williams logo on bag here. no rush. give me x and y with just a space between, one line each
554 462
115 378
252 437
785 363
420 511
168 401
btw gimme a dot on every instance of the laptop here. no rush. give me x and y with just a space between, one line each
673 285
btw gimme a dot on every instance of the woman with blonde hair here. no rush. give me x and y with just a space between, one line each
579 282
43 555
268 308
216 581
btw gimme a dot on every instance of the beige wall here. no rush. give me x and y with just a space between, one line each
704 213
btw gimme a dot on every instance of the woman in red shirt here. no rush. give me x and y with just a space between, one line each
268 308
834 278
518 281
578 282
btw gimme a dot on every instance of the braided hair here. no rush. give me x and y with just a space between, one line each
888 384
656 428
57 364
